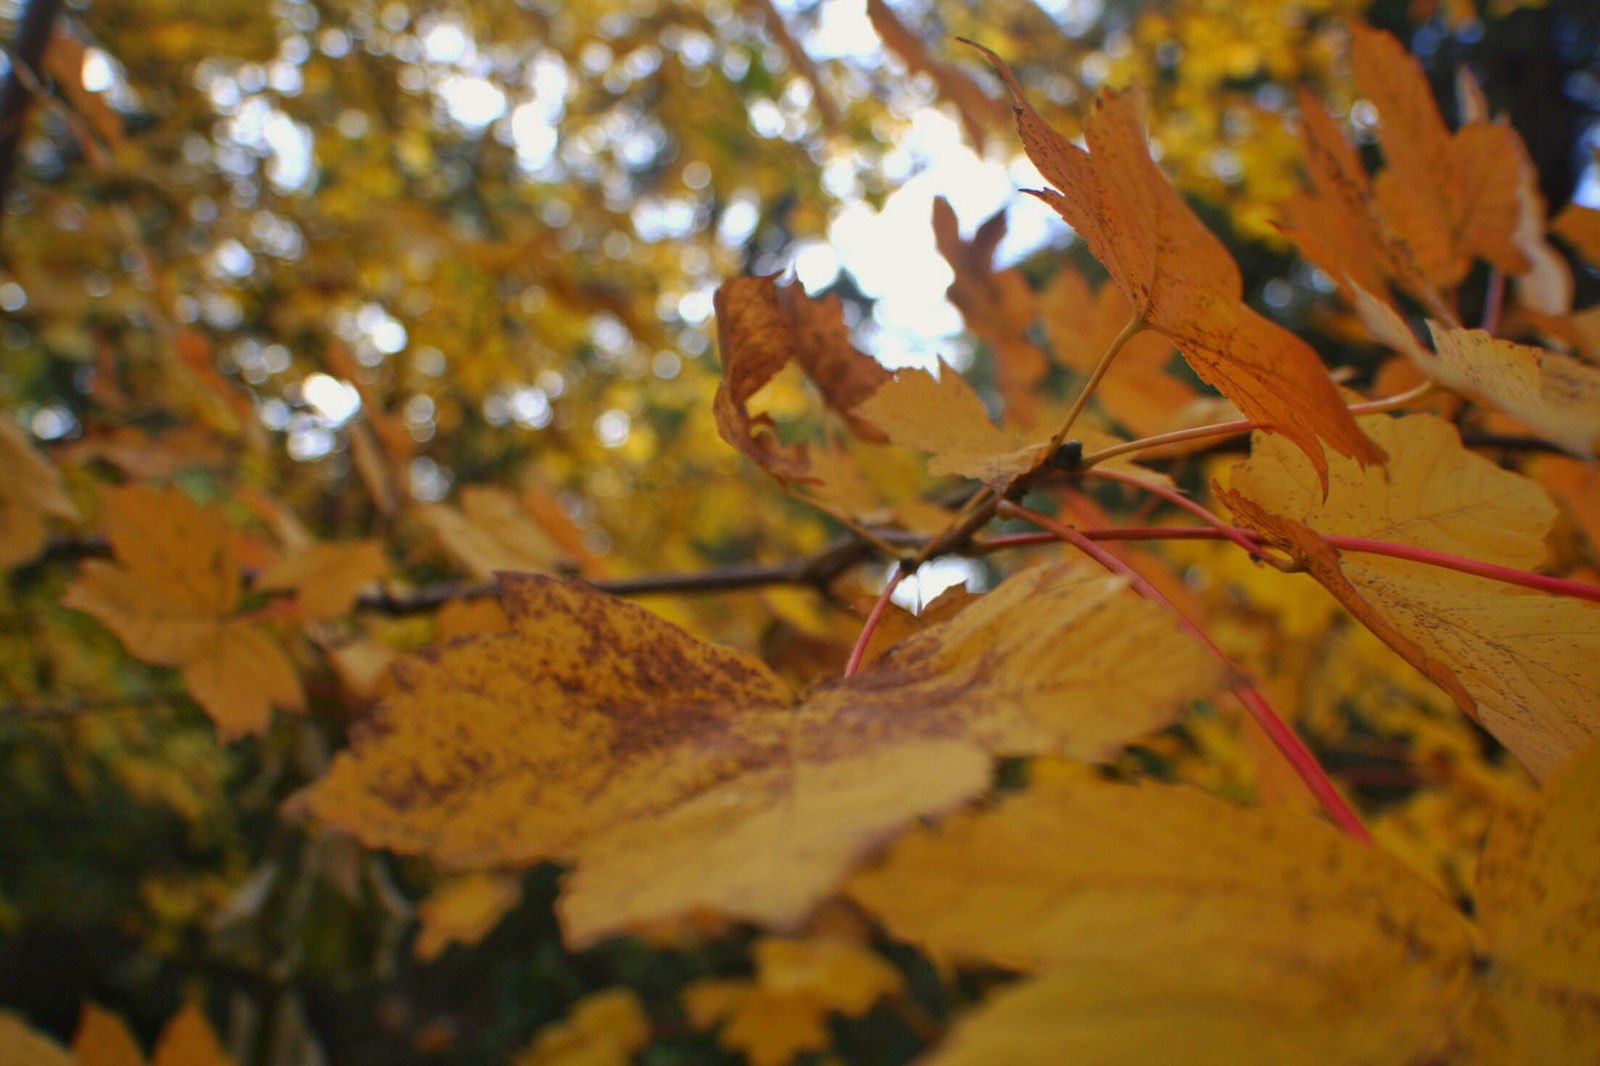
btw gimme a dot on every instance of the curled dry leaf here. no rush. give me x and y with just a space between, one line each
170 598
997 305
1538 903
1524 664
760 330
1179 277
1162 919
678 776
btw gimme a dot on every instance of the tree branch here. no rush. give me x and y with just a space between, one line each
33 35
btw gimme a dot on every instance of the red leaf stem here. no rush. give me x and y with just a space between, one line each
1179 500
859 652
1283 738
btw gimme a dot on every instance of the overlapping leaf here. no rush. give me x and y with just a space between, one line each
760 330
1169 926
1525 664
944 417
1557 395
784 1011
30 494
997 305
1538 903
677 775
1452 198
326 578
492 531
1179 277
171 598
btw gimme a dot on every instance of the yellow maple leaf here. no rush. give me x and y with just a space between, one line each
170 598
603 1028
325 578
1525 664
944 417
1178 277
678 776
463 910
785 1009
103 1039
1168 926
30 493
1538 882
492 531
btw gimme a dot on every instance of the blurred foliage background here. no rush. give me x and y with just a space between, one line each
326 260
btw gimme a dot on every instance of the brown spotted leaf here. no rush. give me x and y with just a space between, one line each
1179 277
678 776
1162 919
1527 663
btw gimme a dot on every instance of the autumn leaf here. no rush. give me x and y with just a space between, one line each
1178 277
1451 198
30 494
1526 665
492 531
171 597
604 1028
944 417
997 305
1161 919
103 1039
1557 395
1137 392
784 1011
1538 887
1579 226
760 330
326 577
979 111
463 910
1336 223
22 1045
678 776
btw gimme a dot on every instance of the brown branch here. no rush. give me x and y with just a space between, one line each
33 35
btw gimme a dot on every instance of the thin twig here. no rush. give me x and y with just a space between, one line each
859 652
1283 738
1135 324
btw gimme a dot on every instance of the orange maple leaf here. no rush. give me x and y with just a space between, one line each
171 598
1178 277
